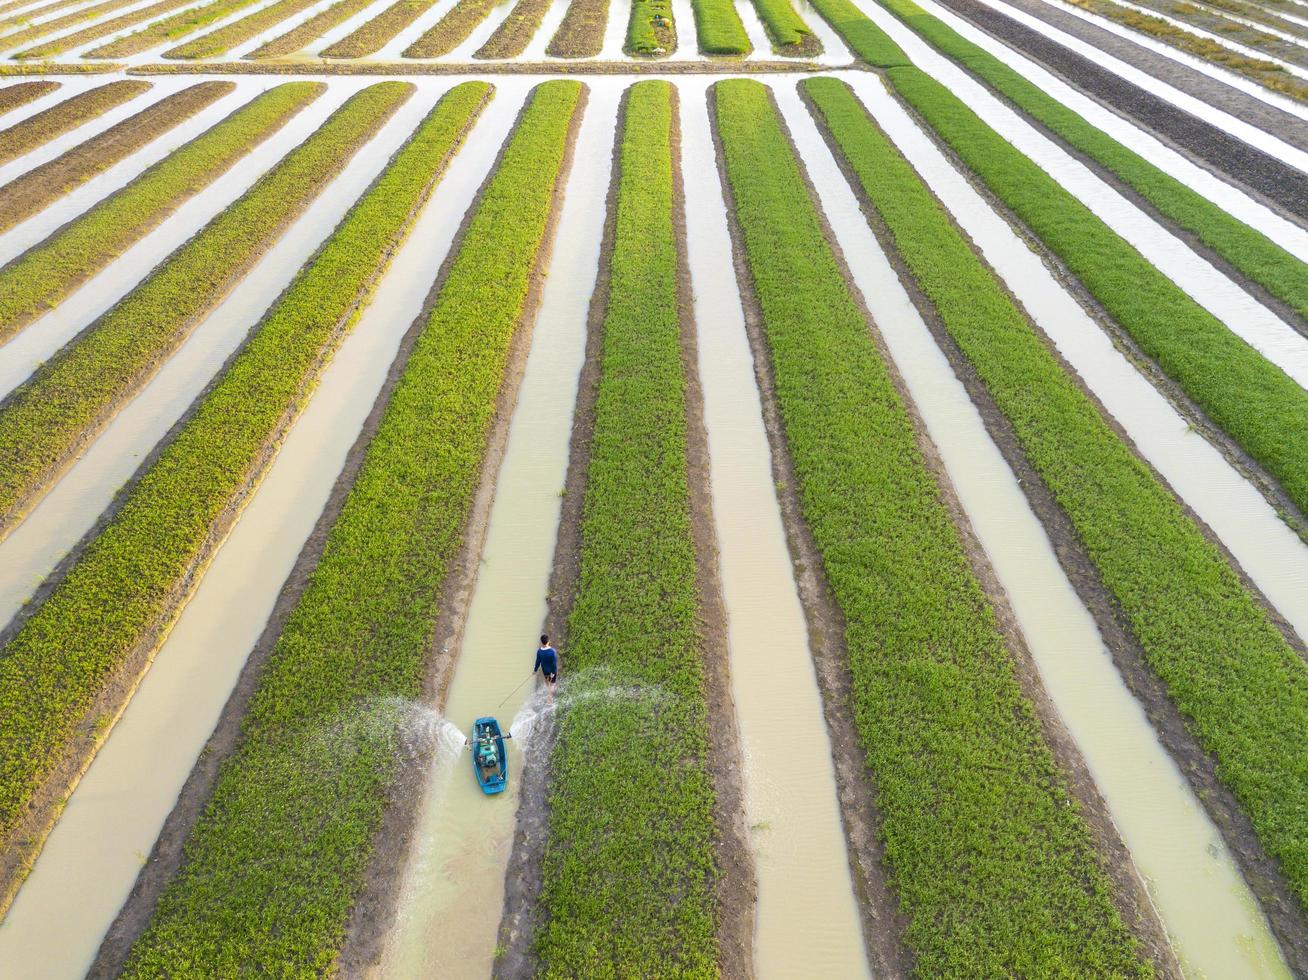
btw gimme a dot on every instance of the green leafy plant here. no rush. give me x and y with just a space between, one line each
719 28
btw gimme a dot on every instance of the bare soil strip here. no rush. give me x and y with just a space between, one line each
1279 185
581 35
1260 871
65 116
13 96
1249 108
37 188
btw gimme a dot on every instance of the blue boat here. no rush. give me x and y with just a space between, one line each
489 763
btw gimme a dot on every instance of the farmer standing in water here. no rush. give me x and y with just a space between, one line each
547 662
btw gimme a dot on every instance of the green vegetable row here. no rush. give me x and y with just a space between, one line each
34 190
786 29
376 33
451 30
125 586
650 30
69 397
273 866
993 864
515 31
719 27
41 277
216 42
1251 252
628 873
301 36
581 33
1239 684
64 116
170 28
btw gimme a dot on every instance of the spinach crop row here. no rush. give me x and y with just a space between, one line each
66 401
786 29
64 116
276 860
1241 687
718 25
1250 252
993 864
170 28
229 36
371 37
45 274
299 37
650 29
628 876
125 586
1261 407
34 190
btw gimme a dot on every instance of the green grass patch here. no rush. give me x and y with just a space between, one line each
36 189
1253 400
1249 251
68 398
990 857
41 277
273 866
628 873
1241 687
216 42
64 116
719 28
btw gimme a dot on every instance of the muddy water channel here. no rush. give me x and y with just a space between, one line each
113 818
808 921
1210 914
450 906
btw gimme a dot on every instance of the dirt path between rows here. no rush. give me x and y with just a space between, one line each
166 856
1260 871
736 889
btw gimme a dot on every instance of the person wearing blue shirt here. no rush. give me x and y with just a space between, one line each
547 662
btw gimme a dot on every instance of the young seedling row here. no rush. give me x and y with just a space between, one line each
981 839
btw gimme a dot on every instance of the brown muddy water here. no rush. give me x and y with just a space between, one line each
114 816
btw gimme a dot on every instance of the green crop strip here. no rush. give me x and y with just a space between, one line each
628 873
719 28
216 42
992 862
64 116
451 30
581 34
514 34
37 188
1242 689
1253 400
102 29
1250 252
170 29
651 30
21 93
125 586
69 397
299 37
374 35
276 860
7 18
864 38
40 278
19 38
786 29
